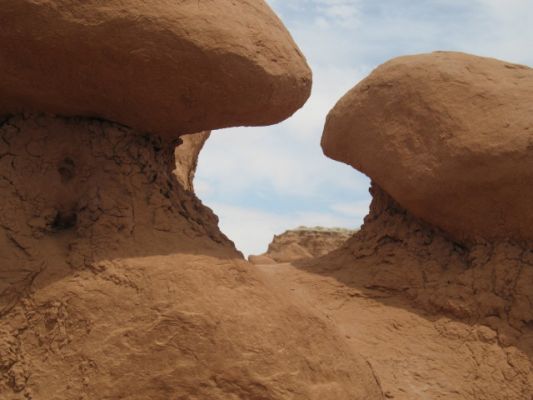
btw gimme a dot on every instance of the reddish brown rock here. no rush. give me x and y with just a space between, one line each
443 261
115 282
163 67
449 137
409 300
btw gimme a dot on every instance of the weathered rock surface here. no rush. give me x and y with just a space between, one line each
186 155
162 67
302 243
435 319
415 354
449 136
436 289
115 283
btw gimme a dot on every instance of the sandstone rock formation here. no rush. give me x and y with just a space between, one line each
415 353
115 281
444 137
303 243
448 136
261 259
186 155
436 319
160 66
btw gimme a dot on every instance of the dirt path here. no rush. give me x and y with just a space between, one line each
414 356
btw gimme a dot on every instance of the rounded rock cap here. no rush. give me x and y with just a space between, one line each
160 66
449 136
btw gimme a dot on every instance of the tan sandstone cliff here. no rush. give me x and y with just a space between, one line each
302 243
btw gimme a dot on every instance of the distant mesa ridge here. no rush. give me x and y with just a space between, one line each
303 243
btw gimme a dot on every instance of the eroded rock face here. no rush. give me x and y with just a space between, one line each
432 296
492 282
68 203
445 254
303 243
186 155
116 283
449 137
162 67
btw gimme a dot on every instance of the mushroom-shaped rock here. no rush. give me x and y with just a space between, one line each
160 66
449 136
110 264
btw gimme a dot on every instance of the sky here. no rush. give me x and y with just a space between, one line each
263 181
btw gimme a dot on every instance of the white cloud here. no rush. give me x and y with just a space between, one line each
285 161
508 30
340 13
343 12
357 210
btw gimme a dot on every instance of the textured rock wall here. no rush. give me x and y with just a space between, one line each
117 284
491 281
487 288
75 191
445 137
